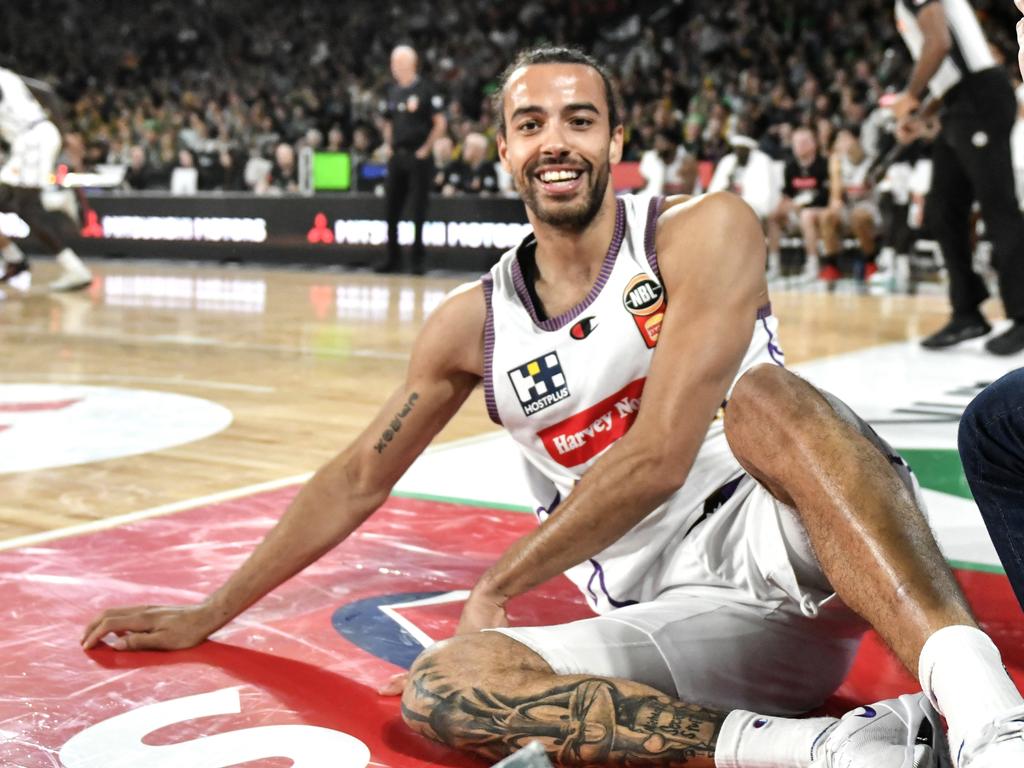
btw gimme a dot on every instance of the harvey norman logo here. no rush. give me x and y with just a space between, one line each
583 436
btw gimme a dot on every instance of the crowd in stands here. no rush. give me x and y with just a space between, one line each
235 90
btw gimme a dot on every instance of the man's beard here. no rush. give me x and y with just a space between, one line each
575 218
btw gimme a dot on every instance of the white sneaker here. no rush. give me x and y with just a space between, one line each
896 733
1000 744
72 280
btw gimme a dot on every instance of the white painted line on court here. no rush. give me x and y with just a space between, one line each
164 509
416 632
193 341
186 504
85 378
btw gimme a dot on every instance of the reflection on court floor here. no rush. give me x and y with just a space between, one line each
295 677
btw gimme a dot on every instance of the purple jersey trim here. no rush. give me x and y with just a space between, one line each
776 353
598 570
487 282
764 312
653 211
599 575
555 323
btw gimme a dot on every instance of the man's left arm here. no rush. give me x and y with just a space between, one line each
439 124
937 43
711 256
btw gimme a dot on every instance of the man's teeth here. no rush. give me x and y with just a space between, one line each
549 176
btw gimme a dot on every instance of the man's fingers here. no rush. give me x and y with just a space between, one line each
1019 4
108 614
130 623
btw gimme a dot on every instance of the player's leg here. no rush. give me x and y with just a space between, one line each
986 158
422 175
872 542
27 172
50 229
947 211
396 190
490 694
14 261
992 450
864 221
809 219
831 223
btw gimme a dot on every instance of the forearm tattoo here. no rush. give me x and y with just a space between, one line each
396 423
590 721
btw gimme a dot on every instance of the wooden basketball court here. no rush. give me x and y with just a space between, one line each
300 358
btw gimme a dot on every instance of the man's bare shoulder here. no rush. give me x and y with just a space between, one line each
453 336
720 222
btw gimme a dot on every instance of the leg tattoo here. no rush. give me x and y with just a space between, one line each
580 720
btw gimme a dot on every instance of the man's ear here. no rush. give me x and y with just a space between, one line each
503 151
615 148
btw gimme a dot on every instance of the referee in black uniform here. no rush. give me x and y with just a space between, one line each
413 122
971 160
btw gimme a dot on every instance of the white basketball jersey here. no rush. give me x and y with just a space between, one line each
19 109
567 388
856 186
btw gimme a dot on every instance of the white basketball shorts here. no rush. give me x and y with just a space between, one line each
751 623
33 157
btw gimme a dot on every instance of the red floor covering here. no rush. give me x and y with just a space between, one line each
295 678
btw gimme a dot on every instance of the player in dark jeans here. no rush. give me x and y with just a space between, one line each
992 451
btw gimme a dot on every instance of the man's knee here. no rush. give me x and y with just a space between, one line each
992 427
760 393
447 670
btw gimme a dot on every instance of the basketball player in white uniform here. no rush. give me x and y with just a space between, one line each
610 344
33 145
851 207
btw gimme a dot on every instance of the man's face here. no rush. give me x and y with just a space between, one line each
403 65
804 146
557 144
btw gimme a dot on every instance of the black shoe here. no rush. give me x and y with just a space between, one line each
956 330
12 268
385 268
1009 342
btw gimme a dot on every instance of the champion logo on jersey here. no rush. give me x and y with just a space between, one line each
584 435
583 328
644 299
539 383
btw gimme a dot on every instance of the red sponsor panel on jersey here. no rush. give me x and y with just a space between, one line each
584 435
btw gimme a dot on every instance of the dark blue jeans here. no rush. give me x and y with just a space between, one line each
992 450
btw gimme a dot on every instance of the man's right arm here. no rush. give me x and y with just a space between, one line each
446 364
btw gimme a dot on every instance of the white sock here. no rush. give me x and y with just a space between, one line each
961 671
12 253
750 740
70 262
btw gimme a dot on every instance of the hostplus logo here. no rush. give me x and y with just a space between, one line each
539 383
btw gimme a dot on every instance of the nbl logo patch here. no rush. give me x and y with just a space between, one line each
644 299
539 383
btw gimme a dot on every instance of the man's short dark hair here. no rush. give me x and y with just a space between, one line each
554 54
